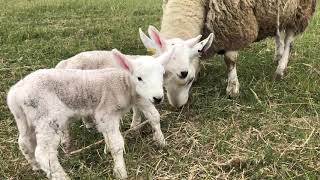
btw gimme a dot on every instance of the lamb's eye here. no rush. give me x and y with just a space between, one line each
139 78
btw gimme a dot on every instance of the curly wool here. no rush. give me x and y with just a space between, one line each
236 24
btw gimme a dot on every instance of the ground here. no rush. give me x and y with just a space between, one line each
271 131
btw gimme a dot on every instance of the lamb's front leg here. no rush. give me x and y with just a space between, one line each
152 114
233 87
109 126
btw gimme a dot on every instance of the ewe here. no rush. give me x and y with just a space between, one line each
235 24
44 101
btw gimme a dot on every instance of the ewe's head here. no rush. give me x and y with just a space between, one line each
180 71
147 73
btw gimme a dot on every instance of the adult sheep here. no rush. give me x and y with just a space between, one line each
235 25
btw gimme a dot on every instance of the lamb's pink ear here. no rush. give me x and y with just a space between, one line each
157 39
166 57
122 60
193 41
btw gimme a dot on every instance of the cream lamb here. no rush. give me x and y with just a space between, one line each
44 101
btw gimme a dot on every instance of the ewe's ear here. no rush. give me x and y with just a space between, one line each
157 39
147 42
122 60
165 57
202 46
193 41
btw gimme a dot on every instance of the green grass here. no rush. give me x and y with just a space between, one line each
274 136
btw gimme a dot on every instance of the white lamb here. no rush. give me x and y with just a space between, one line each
43 102
183 49
180 72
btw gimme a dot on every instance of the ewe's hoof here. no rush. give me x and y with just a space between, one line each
279 74
233 88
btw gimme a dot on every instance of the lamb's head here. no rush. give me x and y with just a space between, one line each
147 73
180 71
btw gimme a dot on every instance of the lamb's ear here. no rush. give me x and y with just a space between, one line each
165 57
122 60
202 46
147 42
193 41
157 39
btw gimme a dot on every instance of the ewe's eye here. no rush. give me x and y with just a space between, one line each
139 79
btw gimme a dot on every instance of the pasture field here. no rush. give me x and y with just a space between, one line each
272 131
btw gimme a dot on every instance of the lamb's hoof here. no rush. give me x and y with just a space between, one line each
159 139
120 172
35 166
233 88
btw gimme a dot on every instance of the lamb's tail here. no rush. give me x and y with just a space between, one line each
17 111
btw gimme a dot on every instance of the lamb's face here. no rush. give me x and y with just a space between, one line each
180 71
148 75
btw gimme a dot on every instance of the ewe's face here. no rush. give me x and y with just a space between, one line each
148 74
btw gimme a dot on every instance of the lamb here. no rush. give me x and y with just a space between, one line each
51 96
179 74
236 24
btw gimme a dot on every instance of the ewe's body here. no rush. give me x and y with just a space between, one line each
44 101
236 24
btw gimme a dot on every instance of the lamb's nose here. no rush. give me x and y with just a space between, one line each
157 100
183 74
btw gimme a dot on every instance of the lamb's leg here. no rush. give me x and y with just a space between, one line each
27 143
88 122
109 127
283 62
279 46
230 58
48 139
152 114
66 139
136 118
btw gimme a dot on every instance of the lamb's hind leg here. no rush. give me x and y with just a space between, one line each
48 139
283 62
230 58
27 143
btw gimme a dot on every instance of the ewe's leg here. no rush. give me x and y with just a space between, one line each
109 126
46 152
279 46
283 62
230 58
152 114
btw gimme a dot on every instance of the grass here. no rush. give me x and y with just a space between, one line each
273 135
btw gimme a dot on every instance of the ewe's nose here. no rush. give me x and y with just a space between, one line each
157 100
183 74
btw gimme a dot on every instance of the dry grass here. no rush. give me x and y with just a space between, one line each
272 131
